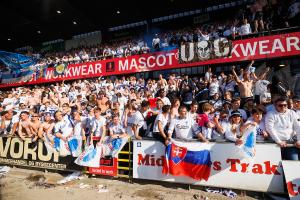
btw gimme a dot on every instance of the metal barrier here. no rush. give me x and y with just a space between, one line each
125 161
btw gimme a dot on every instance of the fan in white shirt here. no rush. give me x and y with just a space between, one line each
258 121
98 125
116 129
245 29
185 127
282 124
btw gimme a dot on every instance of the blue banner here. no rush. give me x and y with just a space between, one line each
17 67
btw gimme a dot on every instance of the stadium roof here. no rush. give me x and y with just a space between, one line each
32 22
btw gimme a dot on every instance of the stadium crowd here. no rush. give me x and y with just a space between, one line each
258 17
213 107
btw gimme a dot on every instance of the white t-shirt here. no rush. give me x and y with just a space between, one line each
64 127
116 129
139 120
208 76
155 41
166 101
184 128
245 29
164 121
130 122
213 88
78 129
261 87
97 125
259 129
193 115
8 101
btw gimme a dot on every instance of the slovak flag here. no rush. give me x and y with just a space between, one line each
188 159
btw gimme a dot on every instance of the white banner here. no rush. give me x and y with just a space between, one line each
292 177
229 170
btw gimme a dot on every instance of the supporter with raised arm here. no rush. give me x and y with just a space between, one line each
220 121
284 128
185 127
257 119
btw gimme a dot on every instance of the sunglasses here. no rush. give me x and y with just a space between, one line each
282 105
35 116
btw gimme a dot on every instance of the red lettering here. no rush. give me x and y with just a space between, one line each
143 160
257 169
244 167
290 187
233 164
152 160
160 161
271 169
217 165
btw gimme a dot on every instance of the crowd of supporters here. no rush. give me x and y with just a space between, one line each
261 16
213 107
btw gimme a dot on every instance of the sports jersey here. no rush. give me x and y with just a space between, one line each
185 128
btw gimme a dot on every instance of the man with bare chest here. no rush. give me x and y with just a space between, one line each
101 102
246 85
24 125
46 128
35 126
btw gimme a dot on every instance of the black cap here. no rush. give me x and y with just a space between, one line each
226 102
296 98
235 113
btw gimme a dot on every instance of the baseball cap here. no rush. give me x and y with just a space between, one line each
235 113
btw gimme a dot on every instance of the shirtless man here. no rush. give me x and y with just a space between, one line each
246 85
35 126
161 83
55 99
33 100
24 125
46 128
101 102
